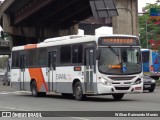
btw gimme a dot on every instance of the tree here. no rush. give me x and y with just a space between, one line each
149 28
3 62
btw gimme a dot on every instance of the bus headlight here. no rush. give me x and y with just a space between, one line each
153 81
138 81
104 81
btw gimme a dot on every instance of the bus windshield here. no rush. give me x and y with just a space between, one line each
119 61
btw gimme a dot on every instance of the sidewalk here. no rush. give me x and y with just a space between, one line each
6 88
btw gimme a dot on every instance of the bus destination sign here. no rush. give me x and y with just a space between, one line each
118 41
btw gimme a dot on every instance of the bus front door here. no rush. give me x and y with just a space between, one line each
89 86
22 71
52 69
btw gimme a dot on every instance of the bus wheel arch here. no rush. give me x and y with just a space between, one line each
34 89
77 90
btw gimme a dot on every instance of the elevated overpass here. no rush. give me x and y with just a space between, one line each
31 21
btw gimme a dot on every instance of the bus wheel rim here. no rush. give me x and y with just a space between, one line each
78 91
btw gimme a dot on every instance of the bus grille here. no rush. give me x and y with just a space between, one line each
122 88
122 78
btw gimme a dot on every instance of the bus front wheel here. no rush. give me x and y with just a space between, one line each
118 96
78 92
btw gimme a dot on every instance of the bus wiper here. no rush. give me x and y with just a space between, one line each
113 50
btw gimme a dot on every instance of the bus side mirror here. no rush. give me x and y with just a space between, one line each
98 54
138 57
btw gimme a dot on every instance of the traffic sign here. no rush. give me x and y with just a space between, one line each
155 12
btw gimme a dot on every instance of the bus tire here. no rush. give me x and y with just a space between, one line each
151 90
118 96
34 90
78 92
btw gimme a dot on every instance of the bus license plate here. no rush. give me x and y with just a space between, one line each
147 86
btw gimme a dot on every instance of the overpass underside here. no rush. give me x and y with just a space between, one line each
31 21
45 18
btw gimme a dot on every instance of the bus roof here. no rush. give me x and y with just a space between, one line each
115 35
58 41
145 49
72 39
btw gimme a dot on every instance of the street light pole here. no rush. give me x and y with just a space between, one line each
146 32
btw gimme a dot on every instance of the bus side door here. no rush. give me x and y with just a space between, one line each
22 71
90 76
52 71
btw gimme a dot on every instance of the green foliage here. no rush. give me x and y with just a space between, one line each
147 28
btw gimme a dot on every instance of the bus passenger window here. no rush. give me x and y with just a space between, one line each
32 57
77 53
65 54
15 59
42 57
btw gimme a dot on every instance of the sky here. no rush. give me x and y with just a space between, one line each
142 3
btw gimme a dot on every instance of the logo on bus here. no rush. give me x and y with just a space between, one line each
61 77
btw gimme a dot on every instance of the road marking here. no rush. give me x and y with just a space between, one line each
15 92
11 108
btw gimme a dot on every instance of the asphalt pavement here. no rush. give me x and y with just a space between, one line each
15 100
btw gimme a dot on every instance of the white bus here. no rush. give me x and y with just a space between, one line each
79 66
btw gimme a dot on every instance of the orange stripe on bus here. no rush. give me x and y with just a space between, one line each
31 46
36 73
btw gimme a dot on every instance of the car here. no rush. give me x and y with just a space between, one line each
148 83
6 78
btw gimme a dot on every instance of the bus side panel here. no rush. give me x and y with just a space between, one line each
45 86
15 78
64 78
156 61
146 67
17 82
40 76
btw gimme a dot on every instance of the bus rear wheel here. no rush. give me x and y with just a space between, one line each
78 92
118 96
34 89
35 92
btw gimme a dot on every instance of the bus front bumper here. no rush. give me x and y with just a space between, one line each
103 89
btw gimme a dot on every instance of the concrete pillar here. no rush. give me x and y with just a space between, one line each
6 25
127 21
73 30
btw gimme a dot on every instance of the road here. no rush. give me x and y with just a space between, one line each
13 100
